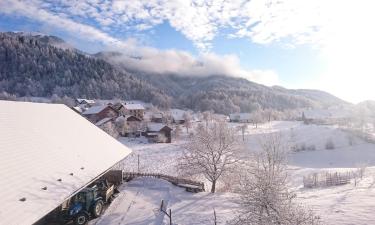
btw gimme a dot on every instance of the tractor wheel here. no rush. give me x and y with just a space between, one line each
97 209
81 219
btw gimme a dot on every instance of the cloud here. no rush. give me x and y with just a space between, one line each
147 59
183 63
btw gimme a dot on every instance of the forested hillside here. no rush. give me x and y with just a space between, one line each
226 94
30 66
39 65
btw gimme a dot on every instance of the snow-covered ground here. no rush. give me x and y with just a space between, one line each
139 202
347 204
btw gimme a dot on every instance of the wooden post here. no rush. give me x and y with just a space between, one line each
215 220
138 163
170 217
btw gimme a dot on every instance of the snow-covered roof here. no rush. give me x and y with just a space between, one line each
177 114
134 106
155 127
81 100
157 115
78 109
52 142
103 121
144 104
95 109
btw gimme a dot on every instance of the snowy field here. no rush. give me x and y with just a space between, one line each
346 204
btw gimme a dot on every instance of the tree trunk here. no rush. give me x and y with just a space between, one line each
213 186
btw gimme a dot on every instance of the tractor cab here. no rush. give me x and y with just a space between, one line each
85 204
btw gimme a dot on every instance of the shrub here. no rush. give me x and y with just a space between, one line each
330 145
311 148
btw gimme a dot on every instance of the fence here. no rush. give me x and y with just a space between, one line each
328 179
194 186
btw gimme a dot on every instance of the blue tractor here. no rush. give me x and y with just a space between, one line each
89 203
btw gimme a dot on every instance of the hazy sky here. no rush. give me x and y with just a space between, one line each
320 44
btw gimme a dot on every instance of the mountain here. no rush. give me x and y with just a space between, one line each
226 94
38 65
32 66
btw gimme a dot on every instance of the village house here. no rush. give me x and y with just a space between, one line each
157 117
96 113
60 154
240 117
129 125
157 132
146 105
136 110
177 116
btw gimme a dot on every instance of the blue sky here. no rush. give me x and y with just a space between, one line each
294 43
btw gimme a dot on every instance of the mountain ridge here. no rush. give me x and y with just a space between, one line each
45 69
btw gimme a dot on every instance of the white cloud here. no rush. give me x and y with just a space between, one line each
262 21
148 59
183 63
342 30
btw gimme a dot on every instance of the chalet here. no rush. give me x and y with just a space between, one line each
146 105
157 117
136 110
104 121
119 107
178 116
56 157
158 132
131 125
97 113
240 117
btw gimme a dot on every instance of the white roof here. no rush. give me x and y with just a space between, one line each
78 109
80 100
103 121
48 144
155 127
177 114
134 106
94 109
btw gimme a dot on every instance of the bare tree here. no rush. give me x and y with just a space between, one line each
243 128
266 199
207 116
211 151
187 119
177 132
110 129
257 117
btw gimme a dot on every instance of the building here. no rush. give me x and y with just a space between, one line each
240 117
178 116
57 155
158 132
136 110
146 105
157 117
97 113
131 125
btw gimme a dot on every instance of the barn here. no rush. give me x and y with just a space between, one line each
47 156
